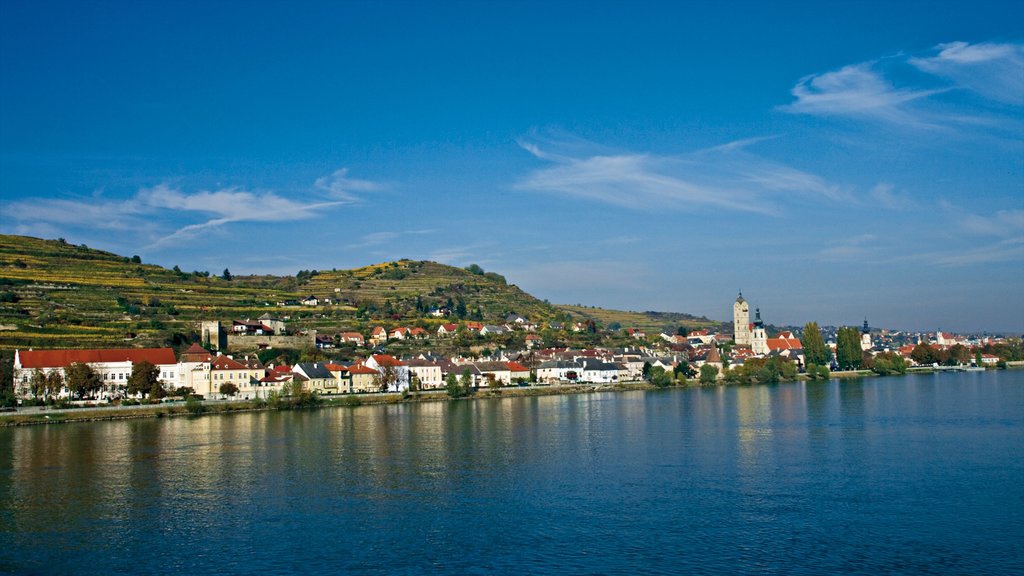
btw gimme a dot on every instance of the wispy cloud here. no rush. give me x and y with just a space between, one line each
228 206
858 90
385 236
996 71
1002 223
848 248
340 185
160 208
893 90
726 177
886 196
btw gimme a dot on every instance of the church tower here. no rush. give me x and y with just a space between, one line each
759 337
865 336
741 322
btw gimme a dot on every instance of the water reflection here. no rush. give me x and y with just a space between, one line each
590 483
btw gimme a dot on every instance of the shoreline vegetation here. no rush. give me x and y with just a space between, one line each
190 408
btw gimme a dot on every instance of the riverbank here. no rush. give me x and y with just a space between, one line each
177 409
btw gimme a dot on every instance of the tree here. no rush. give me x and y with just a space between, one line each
681 331
466 381
37 383
925 354
136 260
815 351
144 376
226 275
228 389
54 383
708 374
659 377
475 269
82 379
889 363
455 390
848 351
386 377
959 354
682 370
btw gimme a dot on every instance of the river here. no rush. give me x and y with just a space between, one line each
922 474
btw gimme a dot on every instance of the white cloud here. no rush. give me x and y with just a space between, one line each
885 195
856 90
726 177
229 205
1003 223
154 210
340 185
869 90
996 71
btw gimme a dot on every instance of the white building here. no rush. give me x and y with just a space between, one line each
114 367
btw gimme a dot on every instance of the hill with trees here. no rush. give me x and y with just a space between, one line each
54 294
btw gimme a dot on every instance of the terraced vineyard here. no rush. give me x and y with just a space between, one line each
59 295
54 294
653 323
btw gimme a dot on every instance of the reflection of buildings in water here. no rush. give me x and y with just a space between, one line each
76 469
754 430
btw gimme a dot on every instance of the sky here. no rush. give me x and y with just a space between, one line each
835 161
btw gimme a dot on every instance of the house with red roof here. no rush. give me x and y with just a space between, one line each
390 367
352 337
518 372
378 336
446 330
113 366
362 378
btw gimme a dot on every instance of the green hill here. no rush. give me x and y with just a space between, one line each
54 294
58 295
652 323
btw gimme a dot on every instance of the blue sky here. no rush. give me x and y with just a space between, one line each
836 161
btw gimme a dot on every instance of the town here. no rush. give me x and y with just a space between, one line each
226 363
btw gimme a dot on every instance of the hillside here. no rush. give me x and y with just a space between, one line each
649 322
59 295
54 294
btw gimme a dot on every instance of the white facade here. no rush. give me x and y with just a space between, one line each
741 322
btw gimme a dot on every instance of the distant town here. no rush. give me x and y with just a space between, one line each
226 361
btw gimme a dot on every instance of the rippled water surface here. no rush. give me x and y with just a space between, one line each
916 475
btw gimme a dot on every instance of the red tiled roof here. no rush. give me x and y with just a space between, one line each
516 367
335 367
361 369
225 363
61 358
385 360
784 344
196 353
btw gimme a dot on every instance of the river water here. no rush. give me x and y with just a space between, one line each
922 474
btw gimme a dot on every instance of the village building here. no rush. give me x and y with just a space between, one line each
426 373
318 378
447 330
352 338
384 364
114 367
362 379
758 336
741 327
378 336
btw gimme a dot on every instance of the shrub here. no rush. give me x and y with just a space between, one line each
193 405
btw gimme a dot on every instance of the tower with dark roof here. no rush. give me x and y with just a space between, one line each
741 321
